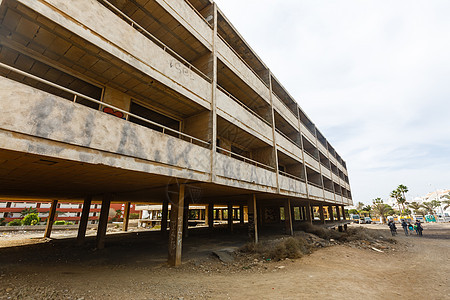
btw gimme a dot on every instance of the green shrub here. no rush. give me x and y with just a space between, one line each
69 223
59 222
15 222
28 219
134 216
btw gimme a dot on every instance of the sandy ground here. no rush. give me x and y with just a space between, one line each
133 267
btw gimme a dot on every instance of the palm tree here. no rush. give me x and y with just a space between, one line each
402 189
446 202
396 195
414 206
430 206
359 206
381 209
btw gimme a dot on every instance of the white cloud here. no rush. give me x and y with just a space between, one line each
373 75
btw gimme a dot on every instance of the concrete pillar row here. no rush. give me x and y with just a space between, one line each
126 216
103 221
322 217
51 219
252 219
176 227
330 212
288 217
84 220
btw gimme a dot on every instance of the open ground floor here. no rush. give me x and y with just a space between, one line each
134 266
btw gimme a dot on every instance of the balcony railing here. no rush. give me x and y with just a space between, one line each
247 160
288 138
315 184
245 63
198 13
243 105
160 44
291 176
181 135
287 106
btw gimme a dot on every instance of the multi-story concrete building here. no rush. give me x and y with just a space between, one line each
145 100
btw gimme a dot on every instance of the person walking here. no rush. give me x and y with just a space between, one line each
405 227
419 228
392 227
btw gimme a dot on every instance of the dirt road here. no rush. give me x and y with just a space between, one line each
416 268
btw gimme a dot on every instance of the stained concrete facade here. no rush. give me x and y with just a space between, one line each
138 100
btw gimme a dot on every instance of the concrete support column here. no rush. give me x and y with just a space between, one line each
84 220
338 213
309 217
176 227
230 217
288 217
211 216
343 213
241 214
164 213
252 219
126 216
51 219
322 217
186 219
103 221
330 212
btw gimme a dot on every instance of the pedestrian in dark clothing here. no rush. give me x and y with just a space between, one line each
405 227
419 228
392 227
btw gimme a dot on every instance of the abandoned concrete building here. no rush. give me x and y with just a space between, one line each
155 102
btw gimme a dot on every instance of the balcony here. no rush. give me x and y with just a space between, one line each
291 185
242 172
46 124
242 116
239 89
281 108
286 99
100 32
237 65
240 47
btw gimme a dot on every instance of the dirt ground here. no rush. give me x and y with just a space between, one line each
133 267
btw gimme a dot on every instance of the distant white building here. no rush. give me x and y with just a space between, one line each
436 195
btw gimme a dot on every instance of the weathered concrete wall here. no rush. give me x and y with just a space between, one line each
117 98
231 168
264 155
199 126
36 113
291 186
98 25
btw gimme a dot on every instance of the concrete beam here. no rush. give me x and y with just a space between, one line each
51 219
176 227
103 221
126 216
84 220
252 219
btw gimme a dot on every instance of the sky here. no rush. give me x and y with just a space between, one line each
373 75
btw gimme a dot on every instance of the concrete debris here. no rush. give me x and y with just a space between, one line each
224 256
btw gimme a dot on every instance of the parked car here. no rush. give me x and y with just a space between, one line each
365 220
354 218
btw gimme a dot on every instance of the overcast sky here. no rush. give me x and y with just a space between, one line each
374 76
